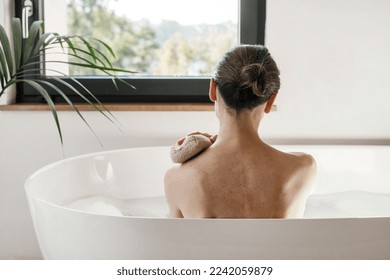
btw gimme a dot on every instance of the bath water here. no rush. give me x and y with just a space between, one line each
142 207
336 205
348 204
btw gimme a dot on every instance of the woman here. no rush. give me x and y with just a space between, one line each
240 176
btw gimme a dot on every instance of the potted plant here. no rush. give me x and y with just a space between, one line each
15 65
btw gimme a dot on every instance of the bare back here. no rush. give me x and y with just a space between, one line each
241 180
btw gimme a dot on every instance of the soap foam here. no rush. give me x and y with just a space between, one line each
143 207
348 205
336 205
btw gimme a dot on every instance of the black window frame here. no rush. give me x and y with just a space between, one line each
152 89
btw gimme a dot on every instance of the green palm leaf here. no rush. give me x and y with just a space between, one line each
25 66
31 40
42 91
17 36
60 92
6 52
5 57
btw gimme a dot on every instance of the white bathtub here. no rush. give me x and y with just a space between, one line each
77 207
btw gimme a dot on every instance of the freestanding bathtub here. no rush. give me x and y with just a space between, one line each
110 205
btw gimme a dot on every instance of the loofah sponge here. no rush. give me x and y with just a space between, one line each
191 146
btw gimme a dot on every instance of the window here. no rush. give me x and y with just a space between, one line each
175 55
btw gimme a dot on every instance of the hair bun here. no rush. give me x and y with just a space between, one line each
252 77
247 76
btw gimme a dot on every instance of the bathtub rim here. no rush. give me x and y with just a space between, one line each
31 196
115 151
167 147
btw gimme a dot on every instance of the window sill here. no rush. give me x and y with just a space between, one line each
115 107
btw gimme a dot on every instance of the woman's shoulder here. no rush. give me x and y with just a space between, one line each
305 171
179 175
306 161
302 164
298 159
174 176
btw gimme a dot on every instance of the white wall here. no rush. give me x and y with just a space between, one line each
335 66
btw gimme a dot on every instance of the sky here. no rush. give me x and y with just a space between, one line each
191 11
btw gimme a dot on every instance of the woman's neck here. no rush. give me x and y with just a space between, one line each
241 128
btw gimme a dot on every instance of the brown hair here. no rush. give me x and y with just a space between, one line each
247 76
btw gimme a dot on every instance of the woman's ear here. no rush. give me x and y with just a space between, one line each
213 90
270 102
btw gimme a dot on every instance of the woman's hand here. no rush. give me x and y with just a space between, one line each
211 137
190 146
